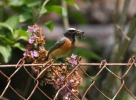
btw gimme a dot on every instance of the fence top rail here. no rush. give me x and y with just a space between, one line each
57 64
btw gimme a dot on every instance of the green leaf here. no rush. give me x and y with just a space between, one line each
50 25
13 21
24 17
5 52
82 87
6 26
72 3
42 11
88 80
58 9
27 9
20 46
33 4
16 3
22 34
5 40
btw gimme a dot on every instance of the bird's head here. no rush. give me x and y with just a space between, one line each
72 32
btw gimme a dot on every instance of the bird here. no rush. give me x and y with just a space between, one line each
64 45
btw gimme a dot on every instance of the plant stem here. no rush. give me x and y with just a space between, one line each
45 2
65 19
38 16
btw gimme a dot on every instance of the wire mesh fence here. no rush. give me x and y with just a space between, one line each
67 83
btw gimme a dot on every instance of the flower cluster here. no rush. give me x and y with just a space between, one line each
37 36
39 60
71 83
72 60
36 42
32 39
31 53
32 29
61 76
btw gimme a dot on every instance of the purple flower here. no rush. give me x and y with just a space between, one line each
32 39
25 54
67 96
34 54
72 61
73 90
35 30
30 29
73 56
60 80
35 70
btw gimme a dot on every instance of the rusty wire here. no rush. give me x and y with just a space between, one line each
103 65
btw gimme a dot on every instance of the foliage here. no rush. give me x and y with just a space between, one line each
10 36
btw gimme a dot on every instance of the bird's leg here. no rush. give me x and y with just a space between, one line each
61 61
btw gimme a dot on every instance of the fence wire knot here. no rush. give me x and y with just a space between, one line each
131 61
103 63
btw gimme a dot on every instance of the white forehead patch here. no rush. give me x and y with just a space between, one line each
71 29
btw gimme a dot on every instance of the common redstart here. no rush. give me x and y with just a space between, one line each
63 46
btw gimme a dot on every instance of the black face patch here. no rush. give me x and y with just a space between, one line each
72 32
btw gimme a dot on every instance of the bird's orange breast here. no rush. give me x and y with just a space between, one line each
63 50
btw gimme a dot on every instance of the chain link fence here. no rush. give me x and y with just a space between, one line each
64 82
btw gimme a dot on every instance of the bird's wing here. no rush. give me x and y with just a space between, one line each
57 45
